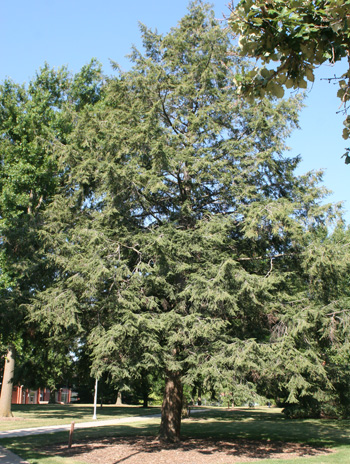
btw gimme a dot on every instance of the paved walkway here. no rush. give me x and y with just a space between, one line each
7 457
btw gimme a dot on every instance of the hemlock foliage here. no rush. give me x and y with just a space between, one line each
182 243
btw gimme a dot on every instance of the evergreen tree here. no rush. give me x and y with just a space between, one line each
325 312
180 229
32 120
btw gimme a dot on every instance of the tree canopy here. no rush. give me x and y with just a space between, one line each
180 236
33 119
297 36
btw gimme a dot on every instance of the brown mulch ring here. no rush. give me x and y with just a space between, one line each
148 450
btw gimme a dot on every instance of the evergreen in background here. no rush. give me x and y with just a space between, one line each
33 120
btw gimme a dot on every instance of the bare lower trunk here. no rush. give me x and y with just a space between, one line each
52 399
199 396
184 410
7 384
119 401
145 388
171 409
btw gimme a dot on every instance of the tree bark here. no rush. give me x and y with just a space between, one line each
52 396
7 384
199 396
119 401
171 409
145 399
145 388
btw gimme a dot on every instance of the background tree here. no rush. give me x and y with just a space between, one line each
297 37
180 228
32 121
327 265
310 333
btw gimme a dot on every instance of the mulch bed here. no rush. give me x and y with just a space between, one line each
148 450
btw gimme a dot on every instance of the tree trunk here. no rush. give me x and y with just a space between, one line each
199 396
52 396
171 409
119 401
184 410
145 388
7 384
145 400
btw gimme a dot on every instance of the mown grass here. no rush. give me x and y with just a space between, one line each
268 424
38 415
254 424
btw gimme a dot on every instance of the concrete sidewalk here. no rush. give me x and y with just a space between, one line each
7 457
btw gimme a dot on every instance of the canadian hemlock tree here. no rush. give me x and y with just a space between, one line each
179 232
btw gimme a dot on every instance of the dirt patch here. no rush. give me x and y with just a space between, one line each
148 450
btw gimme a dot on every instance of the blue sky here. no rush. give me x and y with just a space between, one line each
71 32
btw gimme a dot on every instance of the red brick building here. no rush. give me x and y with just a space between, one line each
22 395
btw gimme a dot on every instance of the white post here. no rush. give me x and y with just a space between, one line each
95 400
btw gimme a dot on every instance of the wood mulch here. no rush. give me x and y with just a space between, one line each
148 450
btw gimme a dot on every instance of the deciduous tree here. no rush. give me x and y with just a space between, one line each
32 120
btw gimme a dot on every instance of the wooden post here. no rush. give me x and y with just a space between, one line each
70 439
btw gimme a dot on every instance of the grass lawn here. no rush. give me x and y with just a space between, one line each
38 415
270 424
256 424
